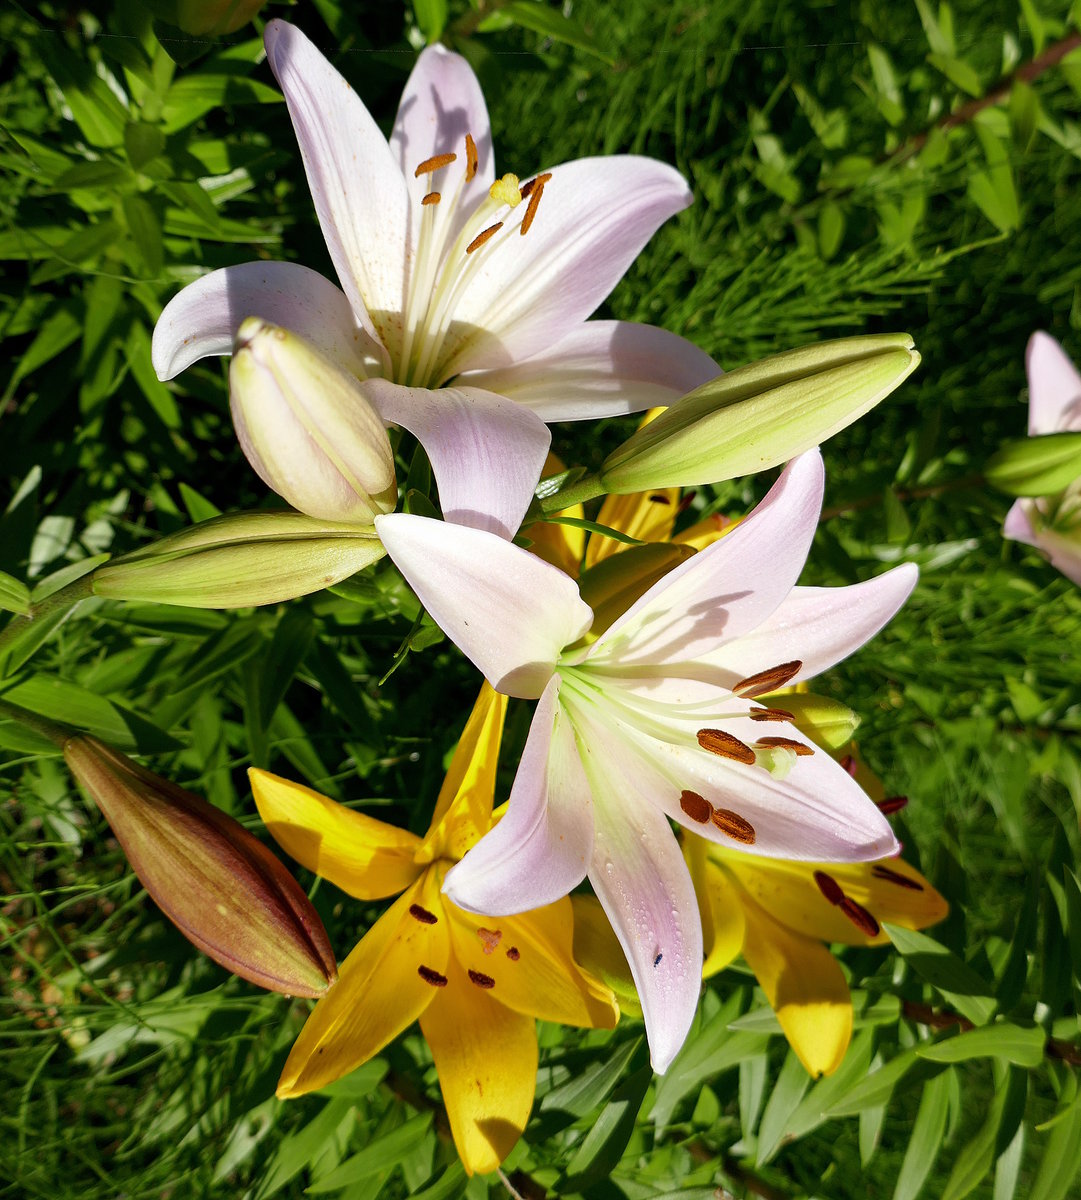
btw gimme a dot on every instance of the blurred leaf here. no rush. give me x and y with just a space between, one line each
602 1147
143 142
961 986
958 72
1012 1043
925 1141
377 1156
1023 111
145 229
1008 1167
783 1102
14 594
978 1156
550 22
431 18
292 637
592 1086
1061 1161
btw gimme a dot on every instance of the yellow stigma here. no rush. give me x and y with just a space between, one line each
505 191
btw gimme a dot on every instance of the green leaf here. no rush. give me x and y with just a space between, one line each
1008 1167
377 1156
831 230
782 1104
958 72
876 1088
1061 1163
550 22
1014 974
145 229
1012 1043
98 174
431 18
299 1150
584 1091
194 95
602 1147
1072 888
978 1156
1024 112
14 594
959 984
925 1140
816 1106
58 580
290 643
142 142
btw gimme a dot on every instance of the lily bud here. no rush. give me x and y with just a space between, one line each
761 415
829 723
1036 466
239 560
307 428
221 887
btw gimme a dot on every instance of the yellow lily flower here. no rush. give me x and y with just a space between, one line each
475 983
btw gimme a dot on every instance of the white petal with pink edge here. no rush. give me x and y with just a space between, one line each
1054 387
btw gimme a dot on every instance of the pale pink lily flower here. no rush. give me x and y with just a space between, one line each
1051 523
655 719
453 281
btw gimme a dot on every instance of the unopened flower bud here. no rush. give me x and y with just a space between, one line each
307 428
1036 466
221 887
827 722
241 559
761 415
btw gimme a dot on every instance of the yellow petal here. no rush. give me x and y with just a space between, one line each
648 516
707 531
463 812
789 891
724 936
560 545
529 960
380 991
597 948
486 1059
364 857
806 988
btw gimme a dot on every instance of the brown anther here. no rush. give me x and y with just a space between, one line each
537 180
892 804
829 887
770 714
482 981
848 763
736 827
491 938
536 190
513 954
800 749
433 164
697 807
422 915
859 916
431 198
767 681
470 157
880 872
432 977
716 741
483 236
657 498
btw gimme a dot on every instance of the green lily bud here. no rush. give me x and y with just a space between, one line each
241 559
307 428
761 415
221 887
828 723
616 582
1036 466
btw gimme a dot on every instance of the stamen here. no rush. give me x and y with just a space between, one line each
535 193
513 954
432 977
770 714
657 498
892 804
536 181
433 164
859 916
735 826
716 741
848 763
800 749
767 681
506 191
880 872
422 915
482 981
431 198
697 807
483 236
491 938
829 887
470 158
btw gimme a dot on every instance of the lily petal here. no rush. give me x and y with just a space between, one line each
486 1059
1054 387
598 950
528 292
486 451
359 193
1017 526
719 904
441 103
203 319
728 589
647 516
363 856
378 994
541 848
530 960
815 626
505 609
643 883
602 369
1064 552
805 987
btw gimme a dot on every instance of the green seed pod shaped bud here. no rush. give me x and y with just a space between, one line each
761 415
1036 466
241 559
221 887
306 427
828 722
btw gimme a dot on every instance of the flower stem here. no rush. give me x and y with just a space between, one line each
589 487
50 730
46 614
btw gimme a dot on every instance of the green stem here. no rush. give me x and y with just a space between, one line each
589 487
50 730
65 598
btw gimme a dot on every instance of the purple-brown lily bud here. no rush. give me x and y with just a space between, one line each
221 887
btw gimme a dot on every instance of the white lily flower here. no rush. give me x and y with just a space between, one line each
453 280
656 719
1051 523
